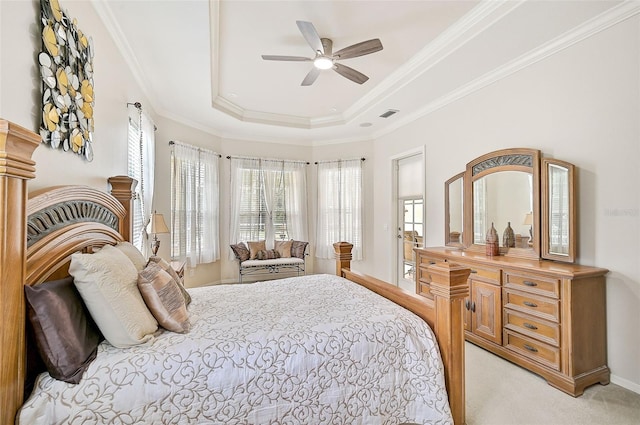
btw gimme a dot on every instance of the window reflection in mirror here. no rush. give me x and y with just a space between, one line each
503 198
558 210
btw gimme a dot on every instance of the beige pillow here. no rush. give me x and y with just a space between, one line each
283 248
108 284
254 247
164 265
133 254
164 299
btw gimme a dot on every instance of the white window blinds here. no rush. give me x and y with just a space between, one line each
140 166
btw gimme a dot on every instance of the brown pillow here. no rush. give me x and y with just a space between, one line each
268 254
164 265
298 248
240 251
66 336
254 247
163 298
283 248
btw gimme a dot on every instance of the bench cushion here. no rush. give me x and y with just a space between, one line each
274 262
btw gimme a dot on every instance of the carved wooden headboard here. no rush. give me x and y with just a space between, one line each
39 234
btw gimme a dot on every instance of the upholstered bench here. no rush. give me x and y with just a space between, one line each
256 259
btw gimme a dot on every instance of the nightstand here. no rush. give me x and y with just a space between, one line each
178 267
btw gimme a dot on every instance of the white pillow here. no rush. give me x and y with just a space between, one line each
133 254
108 284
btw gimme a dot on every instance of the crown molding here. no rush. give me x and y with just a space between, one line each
473 23
597 24
105 14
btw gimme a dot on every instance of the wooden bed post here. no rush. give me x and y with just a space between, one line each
449 288
16 167
123 189
445 314
343 256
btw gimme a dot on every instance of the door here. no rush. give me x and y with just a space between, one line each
410 217
486 308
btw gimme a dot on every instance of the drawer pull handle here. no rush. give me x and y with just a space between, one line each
530 348
474 271
530 326
467 304
529 283
432 262
530 304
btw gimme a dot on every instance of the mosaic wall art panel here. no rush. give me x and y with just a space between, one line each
66 67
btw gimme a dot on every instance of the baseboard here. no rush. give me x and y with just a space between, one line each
625 383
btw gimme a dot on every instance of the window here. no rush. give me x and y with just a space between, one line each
268 200
339 206
140 166
194 204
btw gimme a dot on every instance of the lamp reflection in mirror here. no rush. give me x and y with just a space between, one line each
528 219
156 226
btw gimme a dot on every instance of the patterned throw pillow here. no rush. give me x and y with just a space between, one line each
283 248
162 295
164 265
267 254
254 247
298 248
241 251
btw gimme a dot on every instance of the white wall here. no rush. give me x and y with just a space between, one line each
21 87
580 105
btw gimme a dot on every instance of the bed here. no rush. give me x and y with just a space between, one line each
326 326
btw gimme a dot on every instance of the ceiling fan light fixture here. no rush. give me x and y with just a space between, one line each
323 62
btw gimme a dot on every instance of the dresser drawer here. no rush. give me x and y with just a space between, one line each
424 289
535 350
532 283
484 274
544 308
533 327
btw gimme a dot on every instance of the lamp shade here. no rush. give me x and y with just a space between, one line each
157 224
528 219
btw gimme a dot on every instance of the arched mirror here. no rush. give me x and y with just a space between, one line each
503 190
454 210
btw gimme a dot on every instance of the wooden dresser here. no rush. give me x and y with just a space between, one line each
545 316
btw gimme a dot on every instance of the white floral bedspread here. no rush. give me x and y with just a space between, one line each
310 350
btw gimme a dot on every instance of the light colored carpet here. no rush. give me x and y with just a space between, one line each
501 393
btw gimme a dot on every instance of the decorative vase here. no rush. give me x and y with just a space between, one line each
508 237
492 242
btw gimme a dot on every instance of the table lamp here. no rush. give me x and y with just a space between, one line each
157 225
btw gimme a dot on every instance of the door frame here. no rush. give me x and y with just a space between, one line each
396 251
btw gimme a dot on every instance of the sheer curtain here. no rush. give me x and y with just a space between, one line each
265 194
141 160
339 206
245 199
194 204
295 199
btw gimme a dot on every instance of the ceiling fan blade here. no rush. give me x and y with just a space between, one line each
311 35
311 77
350 73
285 58
360 49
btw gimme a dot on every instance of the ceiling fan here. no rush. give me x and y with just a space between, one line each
325 58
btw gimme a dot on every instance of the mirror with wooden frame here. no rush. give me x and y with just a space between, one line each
502 189
454 210
558 217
